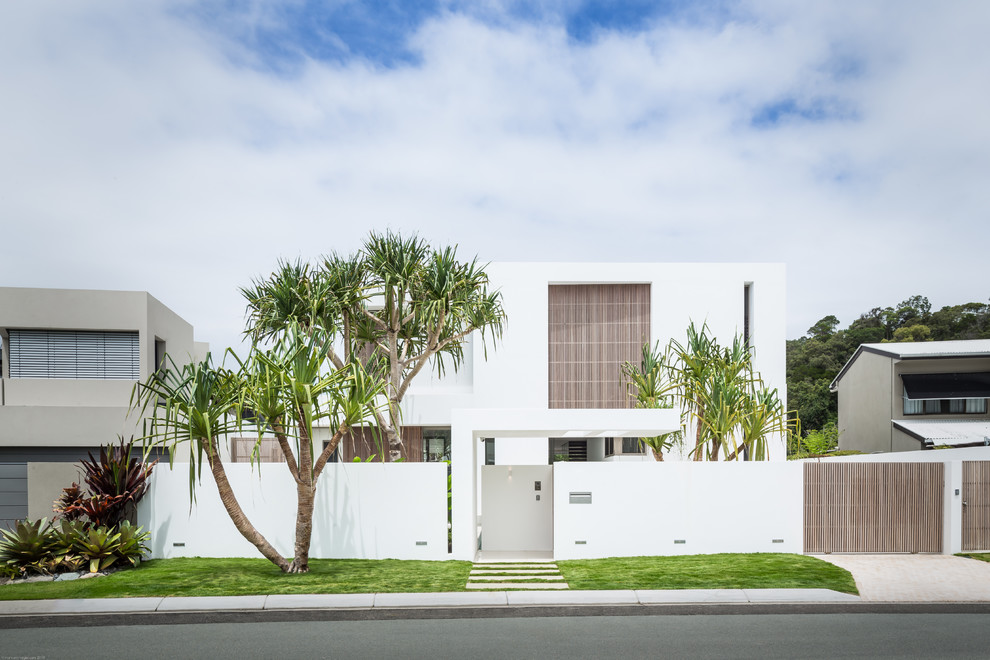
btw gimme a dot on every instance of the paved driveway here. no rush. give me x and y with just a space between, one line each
916 578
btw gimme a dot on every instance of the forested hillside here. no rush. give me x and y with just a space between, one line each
815 359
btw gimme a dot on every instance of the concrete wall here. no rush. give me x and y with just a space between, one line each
45 484
643 509
363 510
865 401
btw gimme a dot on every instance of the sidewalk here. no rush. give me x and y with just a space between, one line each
494 599
916 578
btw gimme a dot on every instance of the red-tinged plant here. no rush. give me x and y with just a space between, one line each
67 506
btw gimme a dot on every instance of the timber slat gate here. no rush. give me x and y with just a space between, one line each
976 510
873 507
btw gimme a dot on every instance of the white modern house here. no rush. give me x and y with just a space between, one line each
540 425
68 361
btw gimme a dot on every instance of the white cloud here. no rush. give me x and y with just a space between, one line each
142 151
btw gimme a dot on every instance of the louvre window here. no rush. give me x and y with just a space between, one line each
81 354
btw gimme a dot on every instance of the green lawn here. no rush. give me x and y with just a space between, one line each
725 571
982 556
238 577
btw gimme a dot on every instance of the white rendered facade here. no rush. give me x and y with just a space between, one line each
506 395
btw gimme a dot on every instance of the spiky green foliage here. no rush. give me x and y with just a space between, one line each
131 543
26 545
285 389
98 546
397 307
722 398
654 385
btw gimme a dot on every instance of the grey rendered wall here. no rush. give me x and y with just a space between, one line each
864 404
45 482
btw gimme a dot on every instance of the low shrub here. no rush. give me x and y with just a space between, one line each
26 546
38 547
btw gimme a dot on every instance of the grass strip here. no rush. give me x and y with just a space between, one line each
981 556
240 577
721 571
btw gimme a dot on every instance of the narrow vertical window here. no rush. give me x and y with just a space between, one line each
747 310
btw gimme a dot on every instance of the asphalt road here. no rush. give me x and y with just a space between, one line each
820 635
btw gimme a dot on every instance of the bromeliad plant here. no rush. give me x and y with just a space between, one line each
26 545
116 482
43 548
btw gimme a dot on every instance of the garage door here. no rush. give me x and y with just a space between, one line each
13 493
873 507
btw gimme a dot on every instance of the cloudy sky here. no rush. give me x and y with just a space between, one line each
183 147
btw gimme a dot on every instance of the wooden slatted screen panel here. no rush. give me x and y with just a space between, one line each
976 512
364 442
242 448
593 329
873 507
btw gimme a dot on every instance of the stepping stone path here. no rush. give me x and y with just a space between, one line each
516 575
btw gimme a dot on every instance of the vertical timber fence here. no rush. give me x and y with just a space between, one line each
873 507
976 506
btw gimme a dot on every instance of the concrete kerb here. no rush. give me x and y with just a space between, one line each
496 599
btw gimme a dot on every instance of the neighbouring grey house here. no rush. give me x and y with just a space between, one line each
68 363
915 395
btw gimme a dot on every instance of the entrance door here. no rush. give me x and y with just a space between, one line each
976 506
517 508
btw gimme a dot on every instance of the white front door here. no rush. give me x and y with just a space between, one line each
517 508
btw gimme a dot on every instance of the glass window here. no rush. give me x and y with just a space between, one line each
489 451
632 446
976 405
436 445
913 406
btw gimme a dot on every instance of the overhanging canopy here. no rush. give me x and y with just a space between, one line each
973 385
950 432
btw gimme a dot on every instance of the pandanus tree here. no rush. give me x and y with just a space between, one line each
285 390
722 398
399 305
655 385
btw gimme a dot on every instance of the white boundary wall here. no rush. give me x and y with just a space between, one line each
363 511
641 509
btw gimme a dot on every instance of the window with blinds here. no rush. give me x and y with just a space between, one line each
82 354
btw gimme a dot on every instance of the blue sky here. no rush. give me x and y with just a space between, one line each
183 147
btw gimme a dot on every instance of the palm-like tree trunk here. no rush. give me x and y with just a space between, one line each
306 499
235 512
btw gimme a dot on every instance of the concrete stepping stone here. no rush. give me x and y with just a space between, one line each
516 575
502 586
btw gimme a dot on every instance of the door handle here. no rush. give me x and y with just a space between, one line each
965 503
